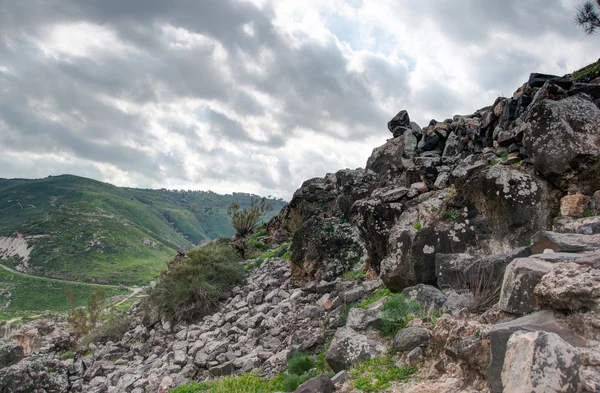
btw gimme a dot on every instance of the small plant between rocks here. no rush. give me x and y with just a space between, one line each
377 374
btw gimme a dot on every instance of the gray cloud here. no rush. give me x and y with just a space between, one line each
209 94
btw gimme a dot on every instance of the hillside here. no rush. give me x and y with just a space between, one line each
74 228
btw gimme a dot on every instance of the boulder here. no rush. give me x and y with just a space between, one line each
319 384
574 205
582 226
400 124
450 268
562 140
386 161
349 347
10 354
570 287
540 362
323 249
520 278
538 80
410 338
361 320
564 242
428 296
499 334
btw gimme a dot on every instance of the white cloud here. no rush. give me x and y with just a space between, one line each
254 96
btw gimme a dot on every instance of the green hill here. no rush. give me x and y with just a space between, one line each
79 229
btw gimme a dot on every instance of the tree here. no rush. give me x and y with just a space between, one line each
588 16
245 220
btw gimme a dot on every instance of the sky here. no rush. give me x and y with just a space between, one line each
254 96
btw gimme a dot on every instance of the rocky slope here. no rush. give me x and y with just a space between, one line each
504 198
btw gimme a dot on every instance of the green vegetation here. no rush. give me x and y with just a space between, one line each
30 296
84 230
354 275
67 355
194 287
451 194
111 330
494 163
244 220
587 70
378 295
450 215
417 225
588 213
245 383
376 374
504 156
397 312
299 363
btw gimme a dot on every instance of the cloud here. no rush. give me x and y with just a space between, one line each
252 96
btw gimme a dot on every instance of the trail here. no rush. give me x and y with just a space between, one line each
18 273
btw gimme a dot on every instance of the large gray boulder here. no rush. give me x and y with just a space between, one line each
10 354
410 338
562 139
361 320
544 321
540 362
428 296
349 347
570 287
520 278
564 242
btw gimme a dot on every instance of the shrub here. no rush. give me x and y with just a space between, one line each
111 330
80 321
450 215
417 225
379 294
397 312
484 288
245 383
354 275
299 363
194 287
291 382
245 220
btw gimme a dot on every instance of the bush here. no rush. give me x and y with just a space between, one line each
112 330
194 287
397 312
291 382
245 220
417 225
80 321
245 383
484 287
300 363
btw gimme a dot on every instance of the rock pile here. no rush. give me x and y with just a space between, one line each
488 220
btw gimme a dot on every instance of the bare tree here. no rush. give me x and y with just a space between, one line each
588 16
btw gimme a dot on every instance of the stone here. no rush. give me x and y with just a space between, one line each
340 378
570 287
452 147
349 347
583 226
226 368
319 384
564 242
450 268
545 321
538 80
409 338
574 205
10 354
520 278
562 140
428 296
415 355
362 320
540 362
399 124
456 302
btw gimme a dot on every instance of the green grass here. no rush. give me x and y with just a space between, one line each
377 374
417 225
95 232
587 70
245 383
378 295
33 296
354 275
